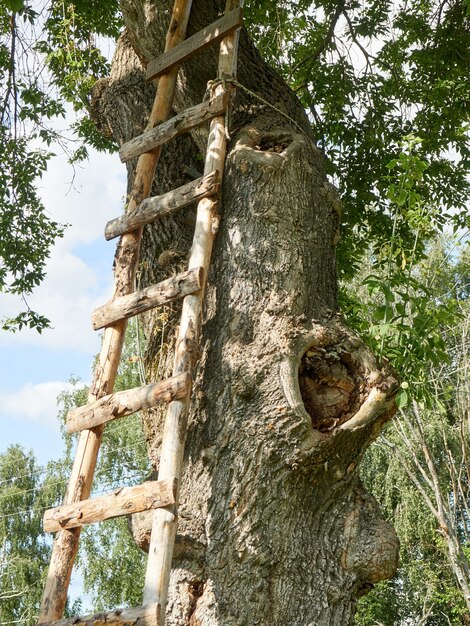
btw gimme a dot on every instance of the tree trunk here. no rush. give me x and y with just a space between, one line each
275 527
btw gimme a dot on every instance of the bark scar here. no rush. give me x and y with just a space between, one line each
327 386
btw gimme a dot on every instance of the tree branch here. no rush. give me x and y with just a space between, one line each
366 54
324 42
11 83
400 430
412 477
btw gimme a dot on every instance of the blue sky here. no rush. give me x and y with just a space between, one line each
35 368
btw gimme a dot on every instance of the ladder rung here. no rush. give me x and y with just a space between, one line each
138 616
175 126
168 290
191 46
123 501
159 206
127 402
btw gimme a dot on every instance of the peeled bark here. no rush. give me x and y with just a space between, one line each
275 527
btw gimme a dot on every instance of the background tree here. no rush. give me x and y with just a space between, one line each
34 35
112 566
25 491
419 472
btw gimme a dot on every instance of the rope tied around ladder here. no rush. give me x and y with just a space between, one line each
228 82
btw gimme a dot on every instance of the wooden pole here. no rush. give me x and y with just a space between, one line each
123 501
66 541
159 206
174 127
168 290
164 523
216 31
140 616
127 402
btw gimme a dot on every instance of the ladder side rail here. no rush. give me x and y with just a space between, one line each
65 544
164 524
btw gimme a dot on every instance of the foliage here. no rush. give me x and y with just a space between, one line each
419 473
111 564
25 491
405 313
424 584
60 36
370 75
26 232
23 552
385 84
70 48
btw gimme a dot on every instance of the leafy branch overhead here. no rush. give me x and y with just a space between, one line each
48 58
386 87
387 90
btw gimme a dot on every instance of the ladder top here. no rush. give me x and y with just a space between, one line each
198 42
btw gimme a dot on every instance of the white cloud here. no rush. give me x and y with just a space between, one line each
71 291
79 271
34 402
85 197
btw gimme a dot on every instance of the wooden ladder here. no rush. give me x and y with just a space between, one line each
103 405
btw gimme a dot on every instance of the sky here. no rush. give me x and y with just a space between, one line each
35 368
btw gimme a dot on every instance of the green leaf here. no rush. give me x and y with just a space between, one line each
402 398
384 329
15 5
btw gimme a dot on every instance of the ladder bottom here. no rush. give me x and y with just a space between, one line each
138 616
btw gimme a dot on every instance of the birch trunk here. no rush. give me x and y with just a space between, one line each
274 525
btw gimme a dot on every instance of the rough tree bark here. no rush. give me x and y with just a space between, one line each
275 527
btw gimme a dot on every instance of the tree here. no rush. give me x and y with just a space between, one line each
23 546
32 36
424 488
276 526
25 491
423 484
